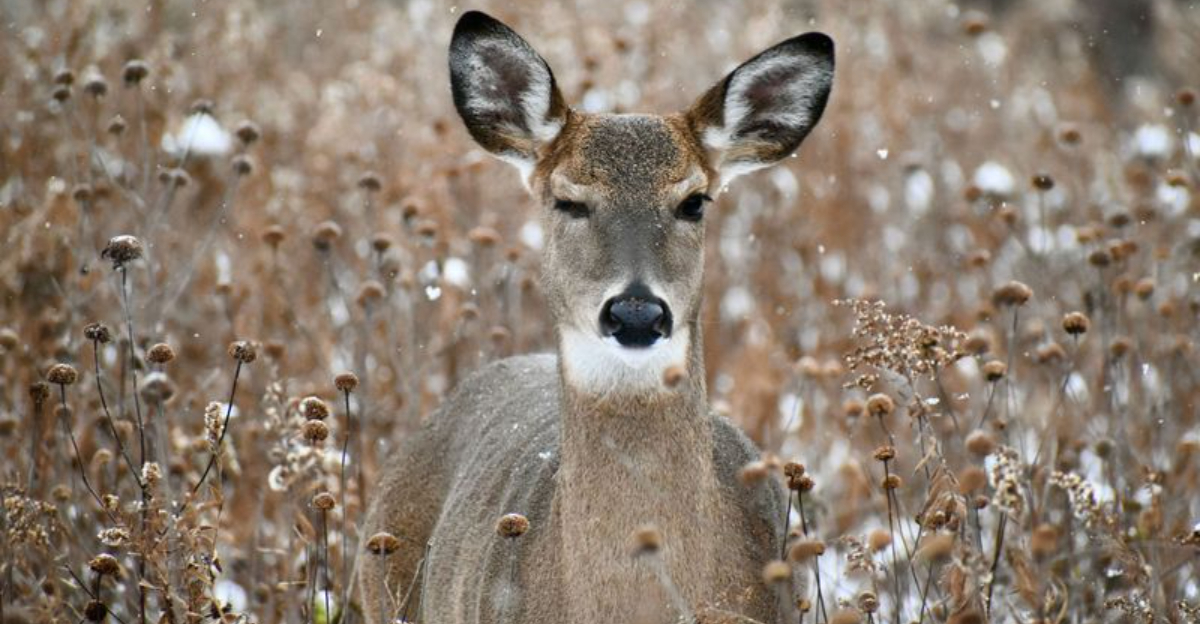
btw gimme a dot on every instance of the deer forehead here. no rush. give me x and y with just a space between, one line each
625 161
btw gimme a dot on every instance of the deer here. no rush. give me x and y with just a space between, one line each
613 431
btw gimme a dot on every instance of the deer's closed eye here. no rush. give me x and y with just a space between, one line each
573 209
692 208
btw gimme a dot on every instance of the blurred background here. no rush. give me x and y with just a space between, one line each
297 178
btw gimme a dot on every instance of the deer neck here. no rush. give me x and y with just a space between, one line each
628 461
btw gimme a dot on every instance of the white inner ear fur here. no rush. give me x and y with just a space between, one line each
595 364
533 103
792 106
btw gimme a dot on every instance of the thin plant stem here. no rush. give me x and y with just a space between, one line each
212 459
892 528
109 419
820 610
996 561
62 397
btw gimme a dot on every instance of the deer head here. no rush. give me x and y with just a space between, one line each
623 197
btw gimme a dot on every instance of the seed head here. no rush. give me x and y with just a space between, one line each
81 193
806 549
134 72
157 387
105 564
879 539
315 431
39 391
97 332
202 106
95 611
1186 97
1100 258
868 602
892 482
1120 346
314 408
512 525
94 83
1144 288
243 351
753 473
805 483
674 375
9 339
1042 182
122 250
324 501
1013 293
880 405
1075 323
792 472
936 548
972 479
1049 353
981 443
242 165
247 132
370 292
64 77
160 353
885 453
845 616
116 125
273 235
776 572
994 370
646 541
345 382
62 374
382 242
483 236
370 182
383 544
325 234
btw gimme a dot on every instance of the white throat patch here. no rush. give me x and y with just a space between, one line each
595 364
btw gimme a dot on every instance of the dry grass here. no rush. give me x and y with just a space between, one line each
1033 467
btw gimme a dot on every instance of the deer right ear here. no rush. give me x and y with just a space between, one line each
503 90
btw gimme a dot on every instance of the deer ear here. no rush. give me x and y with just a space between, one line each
760 112
503 90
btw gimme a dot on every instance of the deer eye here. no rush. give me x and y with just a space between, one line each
573 209
692 208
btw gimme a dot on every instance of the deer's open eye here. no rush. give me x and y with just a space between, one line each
573 209
692 208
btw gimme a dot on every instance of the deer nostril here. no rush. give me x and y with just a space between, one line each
635 321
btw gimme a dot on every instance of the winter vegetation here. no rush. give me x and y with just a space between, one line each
247 248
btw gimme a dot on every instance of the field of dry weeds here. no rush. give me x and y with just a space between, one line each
969 306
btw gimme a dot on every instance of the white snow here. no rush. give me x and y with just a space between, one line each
456 272
994 178
1152 141
201 135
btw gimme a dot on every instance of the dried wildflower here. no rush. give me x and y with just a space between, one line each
1044 541
898 343
776 572
151 474
792 472
994 370
345 382
753 473
325 234
879 539
105 564
62 374
116 125
370 293
39 391
157 387
313 408
646 540
113 537
1075 323
1082 496
868 602
880 405
805 483
981 443
512 525
369 182
383 544
324 501
1120 347
242 165
892 482
243 351
885 453
382 242
212 423
122 250
1012 293
1042 182
247 132
674 375
1005 479
1100 258
201 106
483 236
315 431
1049 353
97 332
94 83
1144 288
936 548
9 339
160 353
1185 97
64 77
134 72
95 611
805 550
81 193
273 235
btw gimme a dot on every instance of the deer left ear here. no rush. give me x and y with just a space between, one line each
761 112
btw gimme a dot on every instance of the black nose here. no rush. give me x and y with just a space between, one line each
636 319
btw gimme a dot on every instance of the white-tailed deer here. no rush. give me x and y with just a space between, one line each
593 443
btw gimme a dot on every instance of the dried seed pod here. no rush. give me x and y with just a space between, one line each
62 374
994 370
776 572
1012 293
247 132
345 382
324 501
134 72
383 544
370 182
806 549
880 405
160 353
122 250
315 431
981 443
1075 323
646 540
313 408
105 564
512 525
97 332
885 453
753 473
243 351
